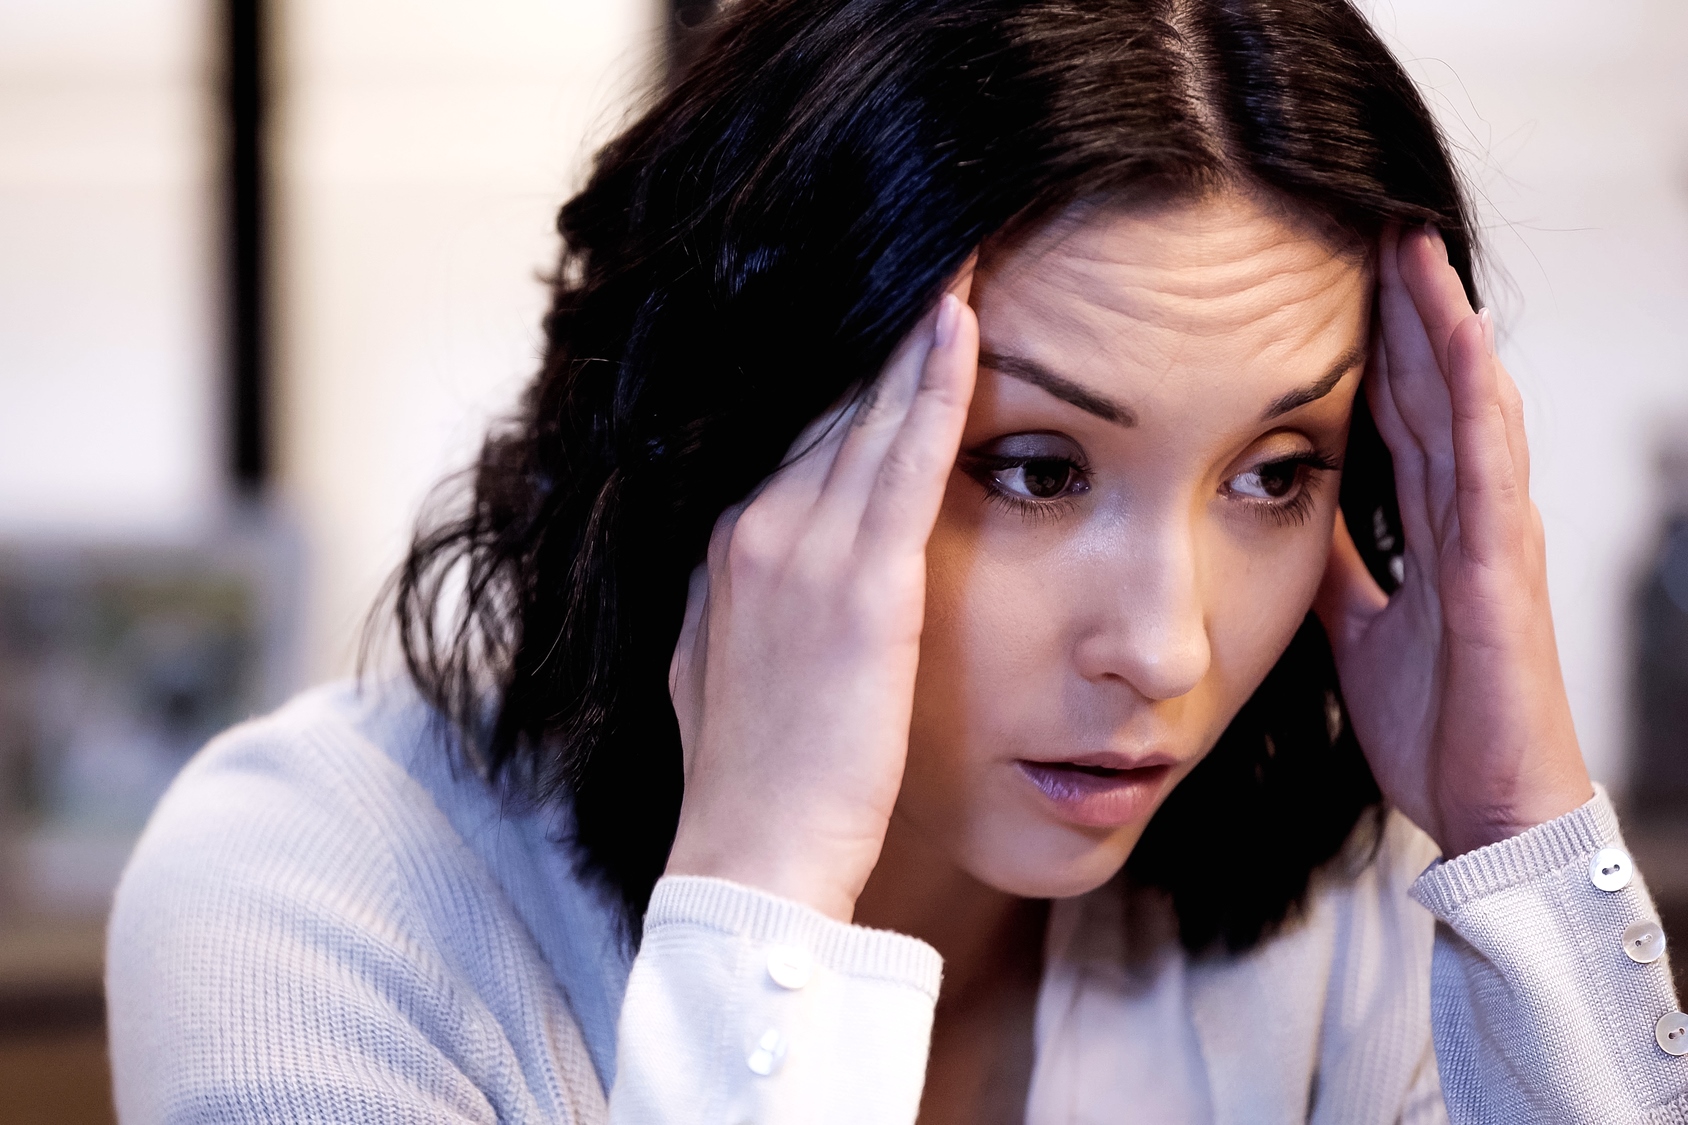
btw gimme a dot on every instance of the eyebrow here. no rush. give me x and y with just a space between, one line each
1030 371
1313 392
1033 372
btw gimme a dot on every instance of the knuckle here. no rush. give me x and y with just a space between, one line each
900 467
720 537
754 543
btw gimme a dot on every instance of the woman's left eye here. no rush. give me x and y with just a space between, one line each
1272 481
1281 489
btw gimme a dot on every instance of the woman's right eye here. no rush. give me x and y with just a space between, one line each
1030 472
1041 478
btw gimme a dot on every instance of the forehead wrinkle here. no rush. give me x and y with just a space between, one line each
1277 290
1188 299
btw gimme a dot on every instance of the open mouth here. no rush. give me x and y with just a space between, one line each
1097 795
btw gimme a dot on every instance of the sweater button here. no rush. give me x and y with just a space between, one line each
1644 942
1672 1033
1611 869
790 966
768 1053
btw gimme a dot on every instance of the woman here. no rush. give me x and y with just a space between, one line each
874 677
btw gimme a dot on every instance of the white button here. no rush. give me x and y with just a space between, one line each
1611 869
1644 942
790 966
769 1052
1672 1034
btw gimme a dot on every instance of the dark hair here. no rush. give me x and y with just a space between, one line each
804 190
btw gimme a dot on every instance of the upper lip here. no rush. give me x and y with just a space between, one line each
1107 760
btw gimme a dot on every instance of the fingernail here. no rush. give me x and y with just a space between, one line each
1435 236
949 317
1488 322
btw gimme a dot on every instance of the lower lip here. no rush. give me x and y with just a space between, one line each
1098 800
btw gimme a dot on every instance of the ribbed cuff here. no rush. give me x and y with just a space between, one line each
696 900
1446 886
1674 1112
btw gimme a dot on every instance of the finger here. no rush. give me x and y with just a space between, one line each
876 423
909 486
1418 388
1490 500
1406 457
1417 505
1436 288
962 284
720 545
1415 375
802 473
839 453
1512 409
1348 598
875 428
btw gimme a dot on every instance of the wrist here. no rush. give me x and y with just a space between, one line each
1465 830
762 865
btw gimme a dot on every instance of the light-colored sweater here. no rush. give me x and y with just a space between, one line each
328 922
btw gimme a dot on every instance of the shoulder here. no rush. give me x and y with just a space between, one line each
300 805
301 927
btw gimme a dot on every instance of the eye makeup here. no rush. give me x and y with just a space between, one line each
1035 474
1281 489
1042 475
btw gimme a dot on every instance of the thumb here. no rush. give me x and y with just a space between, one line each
1348 596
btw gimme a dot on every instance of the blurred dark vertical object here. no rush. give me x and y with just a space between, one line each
1660 786
686 32
244 204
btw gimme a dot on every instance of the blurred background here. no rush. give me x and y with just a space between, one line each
268 268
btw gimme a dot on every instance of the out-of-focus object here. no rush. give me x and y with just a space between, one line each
1659 788
109 335
116 665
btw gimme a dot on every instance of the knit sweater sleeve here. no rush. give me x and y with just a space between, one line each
746 1007
301 937
1540 1013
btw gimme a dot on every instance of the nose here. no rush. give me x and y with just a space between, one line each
1148 624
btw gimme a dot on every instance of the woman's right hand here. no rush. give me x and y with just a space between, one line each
793 679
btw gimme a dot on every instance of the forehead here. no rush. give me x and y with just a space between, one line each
1229 286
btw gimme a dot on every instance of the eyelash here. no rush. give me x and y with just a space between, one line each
1293 511
1287 512
982 467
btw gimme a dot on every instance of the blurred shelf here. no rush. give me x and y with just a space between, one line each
58 1079
53 1064
51 976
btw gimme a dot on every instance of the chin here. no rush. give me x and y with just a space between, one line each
1042 860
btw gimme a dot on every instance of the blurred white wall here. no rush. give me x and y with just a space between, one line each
1572 118
423 147
108 268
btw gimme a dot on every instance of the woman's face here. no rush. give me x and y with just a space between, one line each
1136 526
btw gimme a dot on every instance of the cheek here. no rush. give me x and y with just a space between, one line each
1259 591
996 675
981 645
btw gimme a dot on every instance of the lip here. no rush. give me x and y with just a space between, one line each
1105 790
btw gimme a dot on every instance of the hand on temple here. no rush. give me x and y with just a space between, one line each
1453 683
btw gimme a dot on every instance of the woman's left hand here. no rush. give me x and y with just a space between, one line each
1453 683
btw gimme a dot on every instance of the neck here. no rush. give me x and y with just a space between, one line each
916 889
